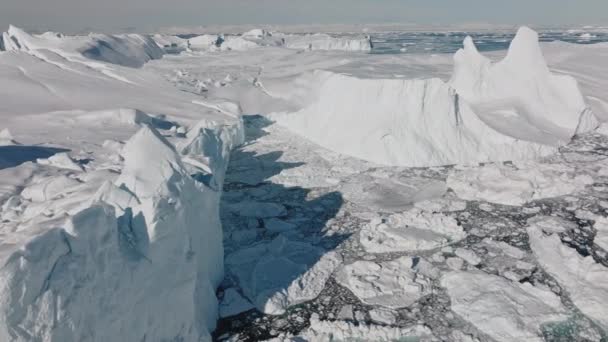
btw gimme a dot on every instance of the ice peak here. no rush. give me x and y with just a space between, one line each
525 51
469 45
15 31
6 138
150 161
5 134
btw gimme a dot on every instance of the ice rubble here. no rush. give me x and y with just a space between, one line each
476 117
281 273
516 184
321 41
585 280
392 284
504 310
320 330
132 50
413 230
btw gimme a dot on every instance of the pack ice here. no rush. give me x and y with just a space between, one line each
112 232
515 109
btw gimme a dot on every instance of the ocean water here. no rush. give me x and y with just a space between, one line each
450 42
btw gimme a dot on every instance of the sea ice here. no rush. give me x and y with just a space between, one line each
412 230
344 331
282 273
233 303
392 284
504 310
516 184
585 280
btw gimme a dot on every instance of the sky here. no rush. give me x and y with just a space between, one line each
74 15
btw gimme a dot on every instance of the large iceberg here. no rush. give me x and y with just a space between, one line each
132 50
427 122
114 235
149 247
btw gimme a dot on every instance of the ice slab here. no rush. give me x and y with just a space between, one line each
392 284
282 273
504 310
585 280
516 184
413 230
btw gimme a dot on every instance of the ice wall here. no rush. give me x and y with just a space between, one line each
140 262
402 122
513 110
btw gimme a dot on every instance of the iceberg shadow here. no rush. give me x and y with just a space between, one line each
278 254
15 155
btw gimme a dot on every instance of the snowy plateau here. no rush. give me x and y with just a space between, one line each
269 186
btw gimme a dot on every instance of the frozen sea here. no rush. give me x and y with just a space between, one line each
450 42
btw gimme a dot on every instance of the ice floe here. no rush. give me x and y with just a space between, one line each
391 284
282 273
585 280
516 184
504 310
413 230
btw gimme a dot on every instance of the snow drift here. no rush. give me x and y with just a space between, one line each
132 50
514 110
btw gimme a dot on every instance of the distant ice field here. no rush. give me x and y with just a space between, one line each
450 42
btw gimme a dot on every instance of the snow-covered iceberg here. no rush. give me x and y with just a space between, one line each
132 50
520 91
115 235
258 38
474 118
322 41
149 247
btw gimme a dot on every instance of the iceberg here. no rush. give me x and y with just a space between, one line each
132 50
514 110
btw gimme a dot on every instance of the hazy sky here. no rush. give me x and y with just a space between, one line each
146 14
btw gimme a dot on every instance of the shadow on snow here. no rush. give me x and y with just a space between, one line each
248 180
15 155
